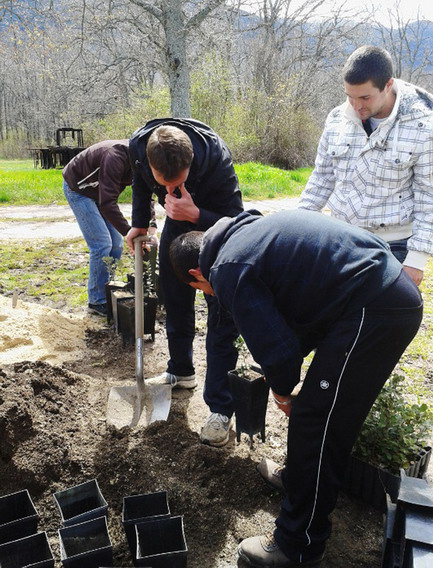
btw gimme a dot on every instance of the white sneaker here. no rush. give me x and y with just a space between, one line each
216 430
175 381
271 473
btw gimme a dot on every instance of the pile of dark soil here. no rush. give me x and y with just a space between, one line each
54 435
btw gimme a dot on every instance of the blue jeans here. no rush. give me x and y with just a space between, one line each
102 239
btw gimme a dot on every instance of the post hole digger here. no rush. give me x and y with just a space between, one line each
143 403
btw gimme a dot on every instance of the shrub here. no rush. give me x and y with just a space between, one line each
395 430
257 126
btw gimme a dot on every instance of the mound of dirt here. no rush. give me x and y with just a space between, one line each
54 435
34 332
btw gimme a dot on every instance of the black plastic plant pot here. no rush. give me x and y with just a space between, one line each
371 483
117 297
18 516
86 545
29 552
150 307
126 318
250 402
141 508
161 543
110 287
81 503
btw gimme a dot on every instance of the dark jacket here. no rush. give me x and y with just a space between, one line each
212 180
287 277
102 172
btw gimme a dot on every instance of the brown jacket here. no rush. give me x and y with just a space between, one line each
102 172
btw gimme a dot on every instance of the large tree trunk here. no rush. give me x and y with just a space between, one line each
178 72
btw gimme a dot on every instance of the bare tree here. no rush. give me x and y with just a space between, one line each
407 41
177 18
297 49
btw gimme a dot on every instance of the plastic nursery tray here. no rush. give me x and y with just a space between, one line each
86 545
18 516
31 551
81 503
161 543
141 508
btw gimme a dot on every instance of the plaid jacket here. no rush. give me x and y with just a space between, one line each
383 183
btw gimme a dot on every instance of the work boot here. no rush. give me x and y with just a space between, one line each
176 381
271 473
263 551
216 430
98 309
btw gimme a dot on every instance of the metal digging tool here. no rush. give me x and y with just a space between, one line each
146 402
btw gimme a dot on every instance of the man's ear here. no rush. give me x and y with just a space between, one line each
196 273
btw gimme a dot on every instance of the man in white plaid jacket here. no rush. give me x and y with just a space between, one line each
374 165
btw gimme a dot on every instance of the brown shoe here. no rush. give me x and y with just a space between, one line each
271 473
263 552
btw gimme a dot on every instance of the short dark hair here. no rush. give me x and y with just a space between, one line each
169 151
368 63
184 252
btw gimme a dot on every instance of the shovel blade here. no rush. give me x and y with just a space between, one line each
128 407
158 401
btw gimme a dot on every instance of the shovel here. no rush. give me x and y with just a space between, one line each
146 402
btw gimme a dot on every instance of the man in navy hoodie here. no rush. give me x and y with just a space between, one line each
190 169
294 282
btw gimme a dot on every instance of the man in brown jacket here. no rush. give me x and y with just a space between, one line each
93 181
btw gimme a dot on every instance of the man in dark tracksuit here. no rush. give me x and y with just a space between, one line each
293 282
195 195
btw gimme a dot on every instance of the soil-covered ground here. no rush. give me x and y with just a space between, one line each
54 435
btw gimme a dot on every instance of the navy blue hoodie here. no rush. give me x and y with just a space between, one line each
287 277
212 181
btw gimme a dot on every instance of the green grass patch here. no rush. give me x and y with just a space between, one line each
25 185
22 184
258 181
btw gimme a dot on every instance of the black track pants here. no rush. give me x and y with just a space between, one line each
349 369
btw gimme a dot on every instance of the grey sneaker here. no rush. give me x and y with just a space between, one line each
176 381
263 551
216 430
271 473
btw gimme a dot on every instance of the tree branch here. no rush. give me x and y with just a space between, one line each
150 8
197 19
